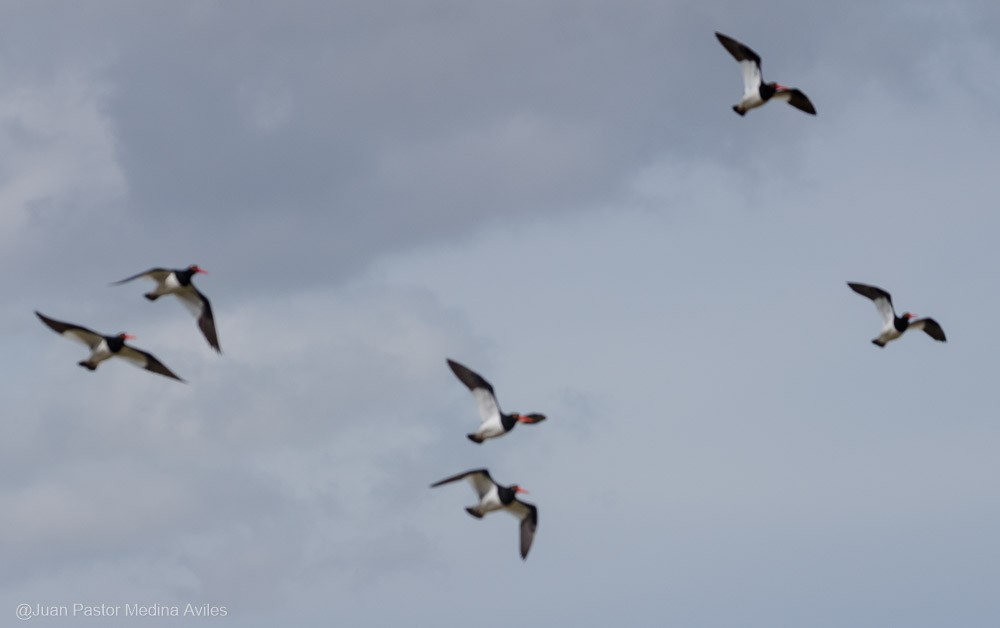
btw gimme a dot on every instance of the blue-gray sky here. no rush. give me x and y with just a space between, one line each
558 195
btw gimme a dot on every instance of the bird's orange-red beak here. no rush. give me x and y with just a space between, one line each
530 418
199 269
128 337
520 490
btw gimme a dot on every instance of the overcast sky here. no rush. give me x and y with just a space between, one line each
558 195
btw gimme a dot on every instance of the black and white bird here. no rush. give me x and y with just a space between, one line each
755 91
893 326
494 421
178 283
492 497
104 347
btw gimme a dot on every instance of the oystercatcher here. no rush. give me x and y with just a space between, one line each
893 326
494 421
178 283
492 497
755 91
104 347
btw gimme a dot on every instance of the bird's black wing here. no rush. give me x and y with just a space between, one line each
486 400
528 514
156 274
881 298
146 360
198 304
469 377
740 51
930 326
479 478
71 331
796 99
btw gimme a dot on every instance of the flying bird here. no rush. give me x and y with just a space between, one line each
104 347
492 497
893 326
178 283
755 91
494 421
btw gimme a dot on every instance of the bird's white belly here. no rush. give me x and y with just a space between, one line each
889 333
100 353
491 429
751 101
169 285
490 502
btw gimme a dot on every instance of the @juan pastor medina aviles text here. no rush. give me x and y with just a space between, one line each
29 611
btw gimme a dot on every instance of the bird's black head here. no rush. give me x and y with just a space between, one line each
768 89
184 276
508 493
902 322
115 343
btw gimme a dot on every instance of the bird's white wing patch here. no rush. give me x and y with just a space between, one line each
191 300
489 411
146 360
751 77
528 515
198 304
481 483
135 357
82 335
518 508
158 275
884 307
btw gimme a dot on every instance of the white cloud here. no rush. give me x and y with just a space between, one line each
58 148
